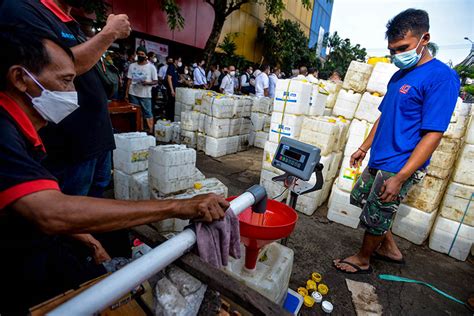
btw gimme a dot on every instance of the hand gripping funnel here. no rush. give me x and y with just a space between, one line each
258 230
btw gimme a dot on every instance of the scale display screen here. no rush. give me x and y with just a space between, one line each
293 157
296 158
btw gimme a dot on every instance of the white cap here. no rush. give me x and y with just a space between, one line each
327 307
318 297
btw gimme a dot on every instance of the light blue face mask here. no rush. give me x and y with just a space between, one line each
409 58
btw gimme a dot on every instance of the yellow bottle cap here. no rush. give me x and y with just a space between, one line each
323 289
308 301
332 121
316 277
197 185
376 94
311 285
302 291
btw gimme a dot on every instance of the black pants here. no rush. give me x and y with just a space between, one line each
170 106
154 96
248 90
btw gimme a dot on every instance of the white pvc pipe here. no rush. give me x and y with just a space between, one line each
108 291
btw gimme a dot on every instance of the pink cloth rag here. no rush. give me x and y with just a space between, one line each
219 239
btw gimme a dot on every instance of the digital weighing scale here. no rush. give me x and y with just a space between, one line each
299 161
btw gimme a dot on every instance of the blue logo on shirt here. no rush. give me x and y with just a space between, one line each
67 35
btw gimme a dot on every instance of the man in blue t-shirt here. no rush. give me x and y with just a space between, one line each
416 111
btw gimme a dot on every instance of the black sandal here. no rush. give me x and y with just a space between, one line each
369 270
380 257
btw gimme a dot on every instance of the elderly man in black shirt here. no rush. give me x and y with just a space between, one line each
79 148
36 87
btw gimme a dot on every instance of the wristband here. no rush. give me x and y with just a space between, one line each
364 151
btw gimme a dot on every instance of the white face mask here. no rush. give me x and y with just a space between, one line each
154 60
180 64
409 58
186 71
53 106
232 73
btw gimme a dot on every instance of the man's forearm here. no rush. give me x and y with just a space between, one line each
129 82
81 215
423 151
87 54
170 84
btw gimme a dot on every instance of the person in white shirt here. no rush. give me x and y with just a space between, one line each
163 69
214 78
313 75
262 82
245 86
273 79
141 78
199 74
227 84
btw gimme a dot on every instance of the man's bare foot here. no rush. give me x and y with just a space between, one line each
390 252
357 260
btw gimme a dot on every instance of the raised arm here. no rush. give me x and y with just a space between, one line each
87 54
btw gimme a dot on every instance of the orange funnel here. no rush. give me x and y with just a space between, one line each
258 230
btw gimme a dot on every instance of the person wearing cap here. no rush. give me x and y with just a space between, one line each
415 112
36 88
142 76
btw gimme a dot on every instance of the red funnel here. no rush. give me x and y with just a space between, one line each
278 222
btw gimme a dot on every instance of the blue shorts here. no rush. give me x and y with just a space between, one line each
144 103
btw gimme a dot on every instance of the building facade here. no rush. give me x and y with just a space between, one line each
320 23
147 18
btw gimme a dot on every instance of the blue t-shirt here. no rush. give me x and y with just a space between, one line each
417 100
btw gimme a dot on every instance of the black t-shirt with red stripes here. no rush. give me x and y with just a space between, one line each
37 265
87 132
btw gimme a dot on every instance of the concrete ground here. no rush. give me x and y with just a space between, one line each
316 242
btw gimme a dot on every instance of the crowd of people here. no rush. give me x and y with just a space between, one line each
56 140
143 79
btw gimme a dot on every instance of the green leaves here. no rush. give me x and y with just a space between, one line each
341 53
228 45
285 44
173 12
228 57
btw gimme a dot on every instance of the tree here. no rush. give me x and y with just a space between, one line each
222 9
466 73
227 56
286 45
433 48
341 53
